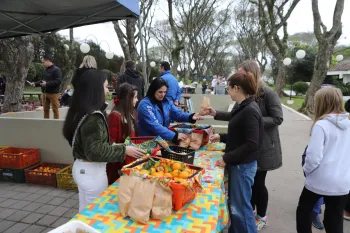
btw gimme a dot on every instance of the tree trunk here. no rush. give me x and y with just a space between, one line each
67 78
71 36
281 76
122 42
318 77
130 35
176 60
17 54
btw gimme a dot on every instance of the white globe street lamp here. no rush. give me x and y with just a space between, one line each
287 61
192 65
152 64
66 47
84 48
109 55
300 54
339 57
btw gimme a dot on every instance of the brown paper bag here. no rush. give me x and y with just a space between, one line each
185 143
205 104
142 201
162 202
125 192
196 139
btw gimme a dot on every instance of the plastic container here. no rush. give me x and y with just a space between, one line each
73 226
15 157
139 140
41 177
186 157
15 175
182 195
65 178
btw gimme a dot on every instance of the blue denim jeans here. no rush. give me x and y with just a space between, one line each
241 180
317 207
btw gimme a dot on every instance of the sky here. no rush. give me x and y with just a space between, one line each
301 20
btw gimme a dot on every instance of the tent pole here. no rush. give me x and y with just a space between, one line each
144 68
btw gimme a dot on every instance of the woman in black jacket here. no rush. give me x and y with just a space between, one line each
88 63
243 141
270 157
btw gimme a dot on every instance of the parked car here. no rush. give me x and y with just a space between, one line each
326 85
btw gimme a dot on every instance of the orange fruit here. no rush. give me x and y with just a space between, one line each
176 166
184 175
168 175
153 170
142 172
176 173
157 174
161 173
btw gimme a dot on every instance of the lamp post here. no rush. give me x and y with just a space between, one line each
85 47
300 54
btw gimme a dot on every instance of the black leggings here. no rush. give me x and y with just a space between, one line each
260 195
333 214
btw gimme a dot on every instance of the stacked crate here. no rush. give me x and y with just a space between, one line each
14 160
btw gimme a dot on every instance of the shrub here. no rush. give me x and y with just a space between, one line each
300 88
31 72
39 71
345 88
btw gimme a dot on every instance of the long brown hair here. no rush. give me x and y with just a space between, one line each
124 105
253 67
328 100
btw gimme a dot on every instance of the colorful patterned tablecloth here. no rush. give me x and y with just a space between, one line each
207 213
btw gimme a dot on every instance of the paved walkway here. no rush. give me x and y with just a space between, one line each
34 209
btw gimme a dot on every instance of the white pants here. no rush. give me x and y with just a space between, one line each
91 178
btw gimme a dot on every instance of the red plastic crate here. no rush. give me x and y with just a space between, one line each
43 177
15 157
139 140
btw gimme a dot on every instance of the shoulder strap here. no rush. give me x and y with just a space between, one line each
81 122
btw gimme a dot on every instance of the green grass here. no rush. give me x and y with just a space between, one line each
298 102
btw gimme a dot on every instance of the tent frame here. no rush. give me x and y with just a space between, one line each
40 16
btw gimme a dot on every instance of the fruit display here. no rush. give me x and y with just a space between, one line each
166 168
43 170
185 180
43 173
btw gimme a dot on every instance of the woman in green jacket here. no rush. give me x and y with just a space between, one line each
86 130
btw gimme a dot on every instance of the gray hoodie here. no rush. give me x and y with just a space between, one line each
327 164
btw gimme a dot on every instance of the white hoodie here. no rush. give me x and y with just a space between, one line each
327 163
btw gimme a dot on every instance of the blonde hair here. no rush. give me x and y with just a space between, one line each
328 100
253 67
88 62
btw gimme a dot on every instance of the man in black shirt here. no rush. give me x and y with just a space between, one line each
132 77
50 86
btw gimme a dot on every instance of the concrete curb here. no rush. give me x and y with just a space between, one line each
296 112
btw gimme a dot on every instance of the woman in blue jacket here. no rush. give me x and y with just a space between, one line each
155 112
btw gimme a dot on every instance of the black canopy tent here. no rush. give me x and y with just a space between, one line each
26 17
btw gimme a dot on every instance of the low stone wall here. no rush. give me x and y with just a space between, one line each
29 129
